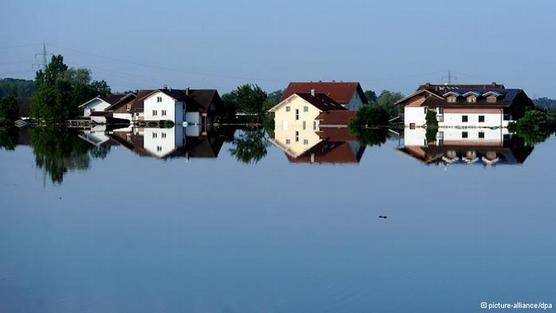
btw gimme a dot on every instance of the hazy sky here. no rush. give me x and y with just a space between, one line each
393 44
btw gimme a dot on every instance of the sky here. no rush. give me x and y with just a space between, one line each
393 45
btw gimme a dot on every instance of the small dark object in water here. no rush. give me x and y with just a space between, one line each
59 198
383 216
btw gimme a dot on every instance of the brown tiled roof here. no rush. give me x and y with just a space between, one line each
321 101
341 92
112 98
336 134
330 152
336 117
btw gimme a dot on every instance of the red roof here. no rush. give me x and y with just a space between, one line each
336 117
341 92
331 153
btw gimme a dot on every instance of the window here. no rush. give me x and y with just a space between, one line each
452 99
472 99
425 109
481 118
296 136
305 109
481 135
288 109
440 110
92 109
155 135
304 125
163 112
287 141
158 99
163 135
411 125
314 125
158 148
154 113
464 118
296 114
128 107
305 141
464 135
491 99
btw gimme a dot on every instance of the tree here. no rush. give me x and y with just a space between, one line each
371 96
432 126
17 87
245 99
60 90
370 116
9 109
272 99
535 126
387 100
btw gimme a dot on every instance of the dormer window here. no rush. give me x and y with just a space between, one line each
491 99
492 96
471 99
451 96
471 96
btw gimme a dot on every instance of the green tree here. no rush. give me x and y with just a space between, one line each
387 100
60 90
371 96
370 137
250 147
246 98
9 109
535 126
17 87
370 116
272 99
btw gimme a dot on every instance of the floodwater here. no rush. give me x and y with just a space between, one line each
189 220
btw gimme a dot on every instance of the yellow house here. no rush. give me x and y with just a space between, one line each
295 121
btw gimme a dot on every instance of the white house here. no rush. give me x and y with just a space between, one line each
99 104
489 105
348 94
165 104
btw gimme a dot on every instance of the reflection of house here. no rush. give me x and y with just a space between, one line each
336 146
489 105
487 146
194 106
348 94
166 143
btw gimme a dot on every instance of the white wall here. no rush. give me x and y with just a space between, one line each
414 115
96 105
192 118
455 120
168 104
417 136
124 116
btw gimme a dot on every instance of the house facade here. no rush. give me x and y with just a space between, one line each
488 105
194 106
99 104
350 95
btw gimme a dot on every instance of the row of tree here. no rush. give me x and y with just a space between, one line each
59 90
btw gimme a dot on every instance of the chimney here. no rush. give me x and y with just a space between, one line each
313 92
187 91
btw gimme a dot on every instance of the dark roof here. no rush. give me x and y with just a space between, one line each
436 95
123 101
321 101
341 92
203 98
112 98
336 117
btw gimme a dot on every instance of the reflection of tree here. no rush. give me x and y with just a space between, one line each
8 138
250 146
370 137
59 150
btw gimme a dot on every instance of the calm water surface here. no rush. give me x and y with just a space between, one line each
130 225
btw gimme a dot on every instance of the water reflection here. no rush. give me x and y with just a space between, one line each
485 146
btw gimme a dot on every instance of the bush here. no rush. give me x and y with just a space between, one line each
535 126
